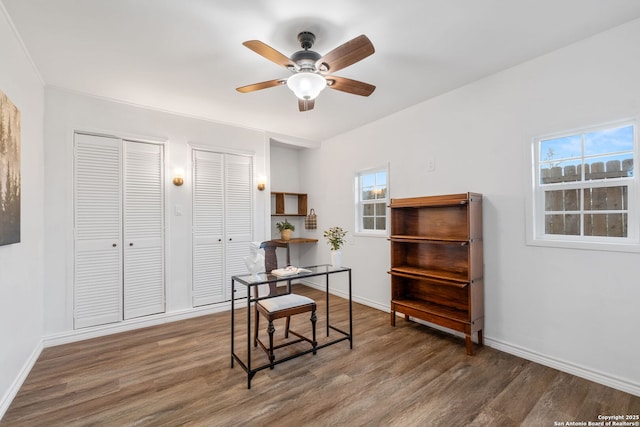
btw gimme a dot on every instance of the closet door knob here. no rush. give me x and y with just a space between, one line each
130 244
114 245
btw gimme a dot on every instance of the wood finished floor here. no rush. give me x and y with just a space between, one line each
179 374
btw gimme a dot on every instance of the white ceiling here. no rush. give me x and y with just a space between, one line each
186 56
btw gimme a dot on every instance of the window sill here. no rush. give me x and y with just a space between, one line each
383 234
633 247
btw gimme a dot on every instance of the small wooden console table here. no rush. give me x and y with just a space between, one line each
264 278
293 241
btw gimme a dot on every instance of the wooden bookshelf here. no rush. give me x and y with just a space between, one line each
437 262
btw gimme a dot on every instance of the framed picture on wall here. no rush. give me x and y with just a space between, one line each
9 171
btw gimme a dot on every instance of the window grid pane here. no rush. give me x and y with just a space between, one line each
603 211
372 200
585 190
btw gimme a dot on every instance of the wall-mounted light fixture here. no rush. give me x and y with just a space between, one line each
262 183
178 177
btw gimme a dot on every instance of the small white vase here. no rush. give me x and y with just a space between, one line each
336 259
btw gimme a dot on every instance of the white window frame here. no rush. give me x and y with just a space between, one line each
359 203
536 235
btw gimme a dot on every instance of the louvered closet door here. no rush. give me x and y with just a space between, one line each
238 217
98 230
144 284
208 217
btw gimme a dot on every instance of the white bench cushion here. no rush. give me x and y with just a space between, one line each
284 301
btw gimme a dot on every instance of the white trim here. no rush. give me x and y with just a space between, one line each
20 379
82 334
565 366
150 107
125 136
534 203
345 295
515 350
291 142
357 190
381 234
131 324
25 52
203 146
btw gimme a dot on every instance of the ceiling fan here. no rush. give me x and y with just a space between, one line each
311 70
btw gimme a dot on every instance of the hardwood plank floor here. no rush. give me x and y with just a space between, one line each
179 374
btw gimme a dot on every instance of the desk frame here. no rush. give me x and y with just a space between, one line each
245 279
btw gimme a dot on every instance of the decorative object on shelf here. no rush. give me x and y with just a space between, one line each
335 238
255 260
311 221
285 228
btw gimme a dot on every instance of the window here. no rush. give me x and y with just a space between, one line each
586 187
372 200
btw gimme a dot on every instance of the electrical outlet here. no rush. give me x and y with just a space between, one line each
430 164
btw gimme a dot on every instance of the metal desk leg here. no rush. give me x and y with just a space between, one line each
233 323
350 315
249 374
327 300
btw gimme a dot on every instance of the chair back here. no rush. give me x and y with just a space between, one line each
271 260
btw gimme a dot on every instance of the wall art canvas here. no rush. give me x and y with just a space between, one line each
9 171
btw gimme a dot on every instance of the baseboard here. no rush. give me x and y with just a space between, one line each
345 295
17 383
131 324
564 366
87 333
561 365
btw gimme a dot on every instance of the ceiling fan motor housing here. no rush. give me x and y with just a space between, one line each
306 59
306 39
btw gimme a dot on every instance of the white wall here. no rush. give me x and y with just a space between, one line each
573 309
21 264
67 112
286 176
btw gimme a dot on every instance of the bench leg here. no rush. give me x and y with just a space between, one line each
271 330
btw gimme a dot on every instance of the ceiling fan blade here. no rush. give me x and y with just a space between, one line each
351 86
346 54
270 53
306 104
262 85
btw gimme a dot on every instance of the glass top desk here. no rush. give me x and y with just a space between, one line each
244 285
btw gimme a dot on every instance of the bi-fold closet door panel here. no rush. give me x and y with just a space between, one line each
222 223
208 227
119 230
238 218
144 288
97 230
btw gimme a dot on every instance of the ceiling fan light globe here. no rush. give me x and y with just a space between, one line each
306 85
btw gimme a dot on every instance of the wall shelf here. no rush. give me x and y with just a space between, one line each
286 203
